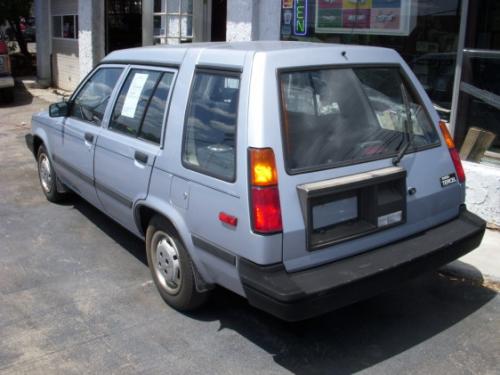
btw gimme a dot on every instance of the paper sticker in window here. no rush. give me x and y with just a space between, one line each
134 94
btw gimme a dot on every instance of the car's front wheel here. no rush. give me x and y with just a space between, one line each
171 266
47 176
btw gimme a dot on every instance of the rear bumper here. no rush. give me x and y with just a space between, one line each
6 82
304 294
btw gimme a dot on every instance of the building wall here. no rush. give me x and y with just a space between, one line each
65 61
91 33
269 20
64 6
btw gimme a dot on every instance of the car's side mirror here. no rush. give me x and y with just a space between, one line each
59 109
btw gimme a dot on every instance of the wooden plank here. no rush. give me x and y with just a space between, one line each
476 143
470 140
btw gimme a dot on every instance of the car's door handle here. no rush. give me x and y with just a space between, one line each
89 137
141 157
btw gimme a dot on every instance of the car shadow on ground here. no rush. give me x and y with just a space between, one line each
119 234
21 97
358 336
348 340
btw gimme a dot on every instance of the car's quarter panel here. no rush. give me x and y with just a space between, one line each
430 205
160 200
207 196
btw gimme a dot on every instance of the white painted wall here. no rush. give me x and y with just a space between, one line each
65 63
483 191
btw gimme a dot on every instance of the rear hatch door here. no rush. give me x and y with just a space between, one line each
343 192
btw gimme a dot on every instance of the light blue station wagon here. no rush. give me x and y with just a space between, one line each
301 176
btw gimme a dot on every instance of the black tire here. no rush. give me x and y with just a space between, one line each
49 187
184 296
8 95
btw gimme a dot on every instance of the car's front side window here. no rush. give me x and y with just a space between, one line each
91 101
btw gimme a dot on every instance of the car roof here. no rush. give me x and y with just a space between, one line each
232 53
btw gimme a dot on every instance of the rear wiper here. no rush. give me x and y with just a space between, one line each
408 127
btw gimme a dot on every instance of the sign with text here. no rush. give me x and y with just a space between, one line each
382 17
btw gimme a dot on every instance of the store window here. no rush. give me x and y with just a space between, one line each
123 24
65 26
477 125
424 32
173 21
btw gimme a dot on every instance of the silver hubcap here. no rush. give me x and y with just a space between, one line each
168 268
45 173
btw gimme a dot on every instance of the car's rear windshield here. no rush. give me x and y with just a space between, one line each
339 116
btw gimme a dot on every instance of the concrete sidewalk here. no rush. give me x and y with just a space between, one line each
481 264
50 95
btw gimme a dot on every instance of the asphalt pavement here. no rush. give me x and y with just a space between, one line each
76 297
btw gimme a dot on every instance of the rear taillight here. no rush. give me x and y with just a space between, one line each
264 194
455 156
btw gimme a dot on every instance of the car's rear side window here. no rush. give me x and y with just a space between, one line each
141 104
341 116
91 101
209 145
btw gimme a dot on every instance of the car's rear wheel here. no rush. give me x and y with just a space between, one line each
171 266
47 176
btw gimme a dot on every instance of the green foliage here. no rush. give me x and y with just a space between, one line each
11 10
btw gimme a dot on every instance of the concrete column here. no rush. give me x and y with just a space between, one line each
91 40
201 21
253 20
242 24
269 19
43 42
147 22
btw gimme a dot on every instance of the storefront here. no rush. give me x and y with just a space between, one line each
427 34
452 46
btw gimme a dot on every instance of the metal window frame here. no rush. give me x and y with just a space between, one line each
458 66
165 14
76 26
